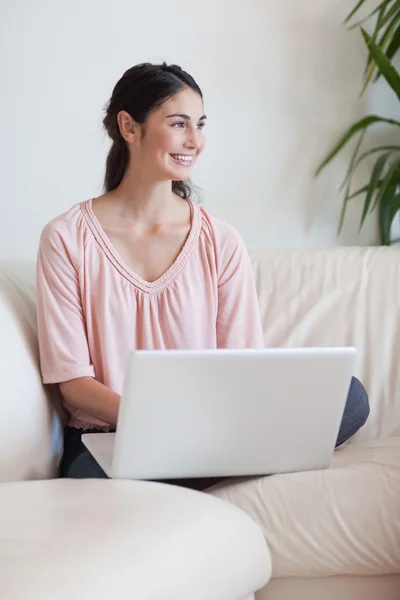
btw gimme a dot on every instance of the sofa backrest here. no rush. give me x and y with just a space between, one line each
339 296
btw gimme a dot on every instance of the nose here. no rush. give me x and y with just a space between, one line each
194 138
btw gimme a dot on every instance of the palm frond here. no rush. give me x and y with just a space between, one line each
353 167
372 187
353 12
385 66
383 43
378 9
363 123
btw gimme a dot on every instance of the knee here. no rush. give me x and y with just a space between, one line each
359 402
356 411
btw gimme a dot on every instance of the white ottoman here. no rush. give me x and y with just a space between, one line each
102 539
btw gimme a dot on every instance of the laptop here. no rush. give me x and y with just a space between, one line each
220 413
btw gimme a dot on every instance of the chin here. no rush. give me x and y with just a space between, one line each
186 178
184 175
176 172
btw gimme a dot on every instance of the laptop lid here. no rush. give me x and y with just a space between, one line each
212 413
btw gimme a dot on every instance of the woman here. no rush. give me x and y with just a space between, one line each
142 266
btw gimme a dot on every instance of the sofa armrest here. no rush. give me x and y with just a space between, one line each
126 539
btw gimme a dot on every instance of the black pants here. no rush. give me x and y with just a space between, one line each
77 462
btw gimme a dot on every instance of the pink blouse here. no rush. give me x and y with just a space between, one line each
93 309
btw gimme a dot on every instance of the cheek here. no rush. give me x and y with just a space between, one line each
159 142
168 140
202 146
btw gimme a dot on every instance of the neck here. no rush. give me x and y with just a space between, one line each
143 199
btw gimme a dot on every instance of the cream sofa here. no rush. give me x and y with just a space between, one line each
331 534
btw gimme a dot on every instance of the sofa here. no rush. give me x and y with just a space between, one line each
328 534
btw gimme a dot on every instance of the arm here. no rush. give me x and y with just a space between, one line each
238 320
92 397
64 351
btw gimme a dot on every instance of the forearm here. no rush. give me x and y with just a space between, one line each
92 397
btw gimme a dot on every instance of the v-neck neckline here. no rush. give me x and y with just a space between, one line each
173 270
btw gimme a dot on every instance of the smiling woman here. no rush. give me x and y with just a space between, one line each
142 266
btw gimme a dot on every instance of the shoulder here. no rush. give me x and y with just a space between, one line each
225 240
220 234
228 247
64 224
65 233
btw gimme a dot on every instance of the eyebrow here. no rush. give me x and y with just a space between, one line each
186 117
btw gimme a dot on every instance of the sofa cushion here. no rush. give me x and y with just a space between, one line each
342 520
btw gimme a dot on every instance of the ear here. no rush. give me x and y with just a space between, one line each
127 126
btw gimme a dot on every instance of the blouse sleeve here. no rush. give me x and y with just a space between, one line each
238 320
64 352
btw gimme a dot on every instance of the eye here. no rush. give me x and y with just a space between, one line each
179 124
201 125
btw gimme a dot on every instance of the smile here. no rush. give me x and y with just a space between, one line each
183 159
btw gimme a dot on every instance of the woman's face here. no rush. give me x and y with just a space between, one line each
172 138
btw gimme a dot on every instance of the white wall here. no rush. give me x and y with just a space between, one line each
281 81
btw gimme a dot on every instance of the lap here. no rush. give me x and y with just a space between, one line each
77 462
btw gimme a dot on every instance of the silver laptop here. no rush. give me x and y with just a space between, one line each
215 413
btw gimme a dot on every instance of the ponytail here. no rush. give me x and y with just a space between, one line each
117 162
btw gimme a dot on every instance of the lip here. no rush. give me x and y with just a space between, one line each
183 163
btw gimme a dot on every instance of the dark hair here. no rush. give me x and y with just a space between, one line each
141 90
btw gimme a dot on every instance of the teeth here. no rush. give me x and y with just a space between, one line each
182 157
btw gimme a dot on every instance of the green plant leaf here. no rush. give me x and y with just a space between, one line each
392 48
386 35
370 67
372 187
383 219
363 189
353 159
362 124
378 9
346 198
353 12
391 177
374 35
368 78
394 44
387 16
343 210
394 207
387 210
384 64
368 153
